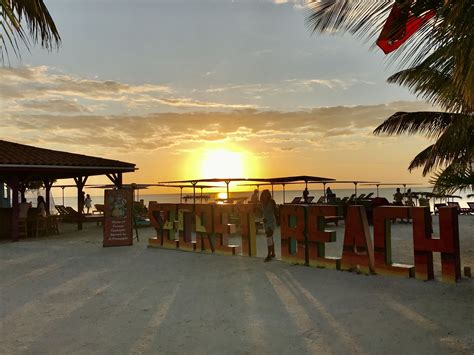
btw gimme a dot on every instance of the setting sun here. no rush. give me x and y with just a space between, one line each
223 163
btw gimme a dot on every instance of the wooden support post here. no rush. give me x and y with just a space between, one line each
227 190
14 185
48 184
116 179
80 182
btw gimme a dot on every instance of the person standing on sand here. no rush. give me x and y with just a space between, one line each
269 221
88 203
254 197
41 207
398 198
409 196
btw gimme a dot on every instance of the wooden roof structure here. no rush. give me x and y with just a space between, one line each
36 163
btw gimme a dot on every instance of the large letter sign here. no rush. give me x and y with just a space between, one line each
383 217
204 227
207 228
357 250
447 244
318 235
164 218
293 234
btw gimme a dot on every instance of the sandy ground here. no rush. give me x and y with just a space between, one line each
67 294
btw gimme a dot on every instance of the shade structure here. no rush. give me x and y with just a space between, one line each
193 185
283 180
21 164
404 184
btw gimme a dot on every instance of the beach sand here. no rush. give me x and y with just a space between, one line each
67 294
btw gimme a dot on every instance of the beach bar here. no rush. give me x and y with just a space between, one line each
21 164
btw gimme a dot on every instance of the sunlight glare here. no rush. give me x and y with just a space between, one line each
222 164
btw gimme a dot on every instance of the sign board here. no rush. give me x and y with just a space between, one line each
118 222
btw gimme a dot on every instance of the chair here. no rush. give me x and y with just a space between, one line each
41 227
361 196
69 214
66 214
320 200
53 224
296 200
310 199
98 209
369 195
22 228
460 209
471 206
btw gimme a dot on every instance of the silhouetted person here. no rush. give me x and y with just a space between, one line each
23 209
88 203
398 198
269 221
330 196
409 197
41 206
305 195
254 197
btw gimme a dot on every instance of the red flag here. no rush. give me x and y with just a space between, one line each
401 24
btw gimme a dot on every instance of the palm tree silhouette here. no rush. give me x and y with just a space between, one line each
27 22
439 61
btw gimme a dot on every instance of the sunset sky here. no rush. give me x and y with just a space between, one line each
201 88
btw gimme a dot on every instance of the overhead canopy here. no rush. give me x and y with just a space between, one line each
275 180
32 163
391 183
21 164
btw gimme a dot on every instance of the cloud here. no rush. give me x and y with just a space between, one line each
26 86
56 105
265 131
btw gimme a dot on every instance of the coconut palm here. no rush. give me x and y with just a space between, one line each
440 60
27 22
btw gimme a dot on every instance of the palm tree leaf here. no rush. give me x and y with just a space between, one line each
39 21
423 158
15 14
454 178
431 124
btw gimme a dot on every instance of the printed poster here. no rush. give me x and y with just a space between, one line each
118 226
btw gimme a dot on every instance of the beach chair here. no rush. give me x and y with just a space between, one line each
460 209
69 214
310 199
65 214
296 200
471 207
99 209
369 195
361 196
344 200
320 200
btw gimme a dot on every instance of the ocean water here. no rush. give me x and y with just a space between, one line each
388 193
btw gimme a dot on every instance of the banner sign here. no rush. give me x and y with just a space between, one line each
118 218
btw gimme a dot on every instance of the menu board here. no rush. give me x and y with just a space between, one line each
118 211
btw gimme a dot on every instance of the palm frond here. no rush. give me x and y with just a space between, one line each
430 124
422 159
15 15
453 178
